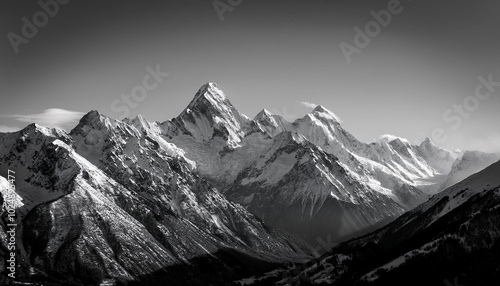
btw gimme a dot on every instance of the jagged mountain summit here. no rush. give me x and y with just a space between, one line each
438 158
209 191
211 117
312 170
254 161
111 202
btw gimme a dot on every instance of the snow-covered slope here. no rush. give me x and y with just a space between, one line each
249 158
26 153
271 124
469 163
208 126
109 201
453 236
298 187
171 180
438 158
234 151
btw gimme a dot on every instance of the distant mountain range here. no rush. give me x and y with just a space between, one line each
452 239
203 198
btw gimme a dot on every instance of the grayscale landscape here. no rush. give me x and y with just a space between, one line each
250 143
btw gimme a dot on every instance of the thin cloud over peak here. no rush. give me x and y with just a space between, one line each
5 128
52 117
390 138
308 104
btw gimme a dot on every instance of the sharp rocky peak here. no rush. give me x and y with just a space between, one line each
95 120
91 117
320 108
428 144
211 102
394 139
322 112
139 121
264 113
209 92
34 129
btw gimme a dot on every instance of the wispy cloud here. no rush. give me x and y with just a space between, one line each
5 128
52 117
308 104
390 137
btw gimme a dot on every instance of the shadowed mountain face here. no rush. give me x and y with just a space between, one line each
130 212
452 239
310 177
198 199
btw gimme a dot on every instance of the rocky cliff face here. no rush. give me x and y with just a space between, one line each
131 212
311 170
452 239
200 198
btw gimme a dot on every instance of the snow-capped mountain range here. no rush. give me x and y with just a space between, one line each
452 239
134 200
311 170
127 211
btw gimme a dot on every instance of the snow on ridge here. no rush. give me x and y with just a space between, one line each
263 114
211 92
8 194
389 138
485 180
326 114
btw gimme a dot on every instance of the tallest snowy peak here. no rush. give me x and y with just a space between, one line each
211 92
210 100
210 114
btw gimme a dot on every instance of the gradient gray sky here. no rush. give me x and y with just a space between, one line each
264 54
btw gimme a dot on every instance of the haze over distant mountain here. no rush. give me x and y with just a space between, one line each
209 191
310 176
452 239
